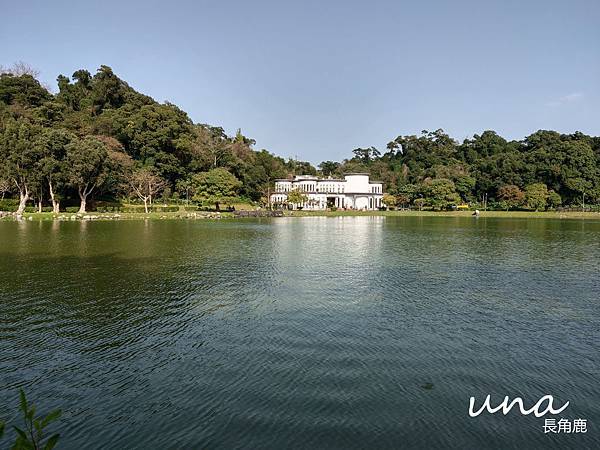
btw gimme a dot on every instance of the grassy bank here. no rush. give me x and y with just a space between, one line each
504 214
228 215
124 216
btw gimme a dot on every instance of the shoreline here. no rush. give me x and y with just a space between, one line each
483 214
206 215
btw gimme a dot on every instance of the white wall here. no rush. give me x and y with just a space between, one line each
353 184
357 183
362 202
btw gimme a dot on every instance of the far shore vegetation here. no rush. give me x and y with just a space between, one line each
182 214
97 146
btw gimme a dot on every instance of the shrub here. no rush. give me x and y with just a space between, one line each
133 209
105 205
164 209
34 209
9 204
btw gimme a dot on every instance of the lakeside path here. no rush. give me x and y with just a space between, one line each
229 215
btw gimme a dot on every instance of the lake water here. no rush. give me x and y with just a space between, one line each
301 332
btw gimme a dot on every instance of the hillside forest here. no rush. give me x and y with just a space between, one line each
97 141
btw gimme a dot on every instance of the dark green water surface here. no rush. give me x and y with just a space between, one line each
301 332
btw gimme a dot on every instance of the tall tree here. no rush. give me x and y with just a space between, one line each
52 164
145 185
440 193
209 148
20 157
87 160
296 197
510 196
329 167
366 155
216 186
536 196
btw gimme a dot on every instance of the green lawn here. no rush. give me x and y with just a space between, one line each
124 216
209 215
505 214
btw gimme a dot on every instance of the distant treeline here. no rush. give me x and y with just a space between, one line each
98 138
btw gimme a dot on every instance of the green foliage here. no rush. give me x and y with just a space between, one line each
86 139
33 434
329 168
156 135
389 200
536 196
300 167
9 204
86 160
216 186
440 193
34 209
406 193
296 197
554 199
22 90
366 155
464 186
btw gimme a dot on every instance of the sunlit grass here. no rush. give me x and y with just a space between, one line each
503 214
228 215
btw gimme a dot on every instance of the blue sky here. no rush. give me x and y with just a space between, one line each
316 79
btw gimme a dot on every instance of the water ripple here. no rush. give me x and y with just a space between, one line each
300 333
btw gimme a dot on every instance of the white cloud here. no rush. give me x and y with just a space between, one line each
570 98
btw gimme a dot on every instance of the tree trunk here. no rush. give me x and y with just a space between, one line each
83 198
55 202
23 198
146 204
40 206
217 206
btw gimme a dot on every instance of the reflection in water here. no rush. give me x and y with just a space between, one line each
327 257
310 333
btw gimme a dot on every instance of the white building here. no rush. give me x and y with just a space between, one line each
355 191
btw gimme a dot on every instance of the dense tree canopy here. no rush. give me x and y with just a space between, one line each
98 138
433 169
216 186
75 144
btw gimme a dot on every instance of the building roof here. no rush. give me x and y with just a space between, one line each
320 179
308 178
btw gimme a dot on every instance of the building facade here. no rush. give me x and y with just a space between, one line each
354 191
